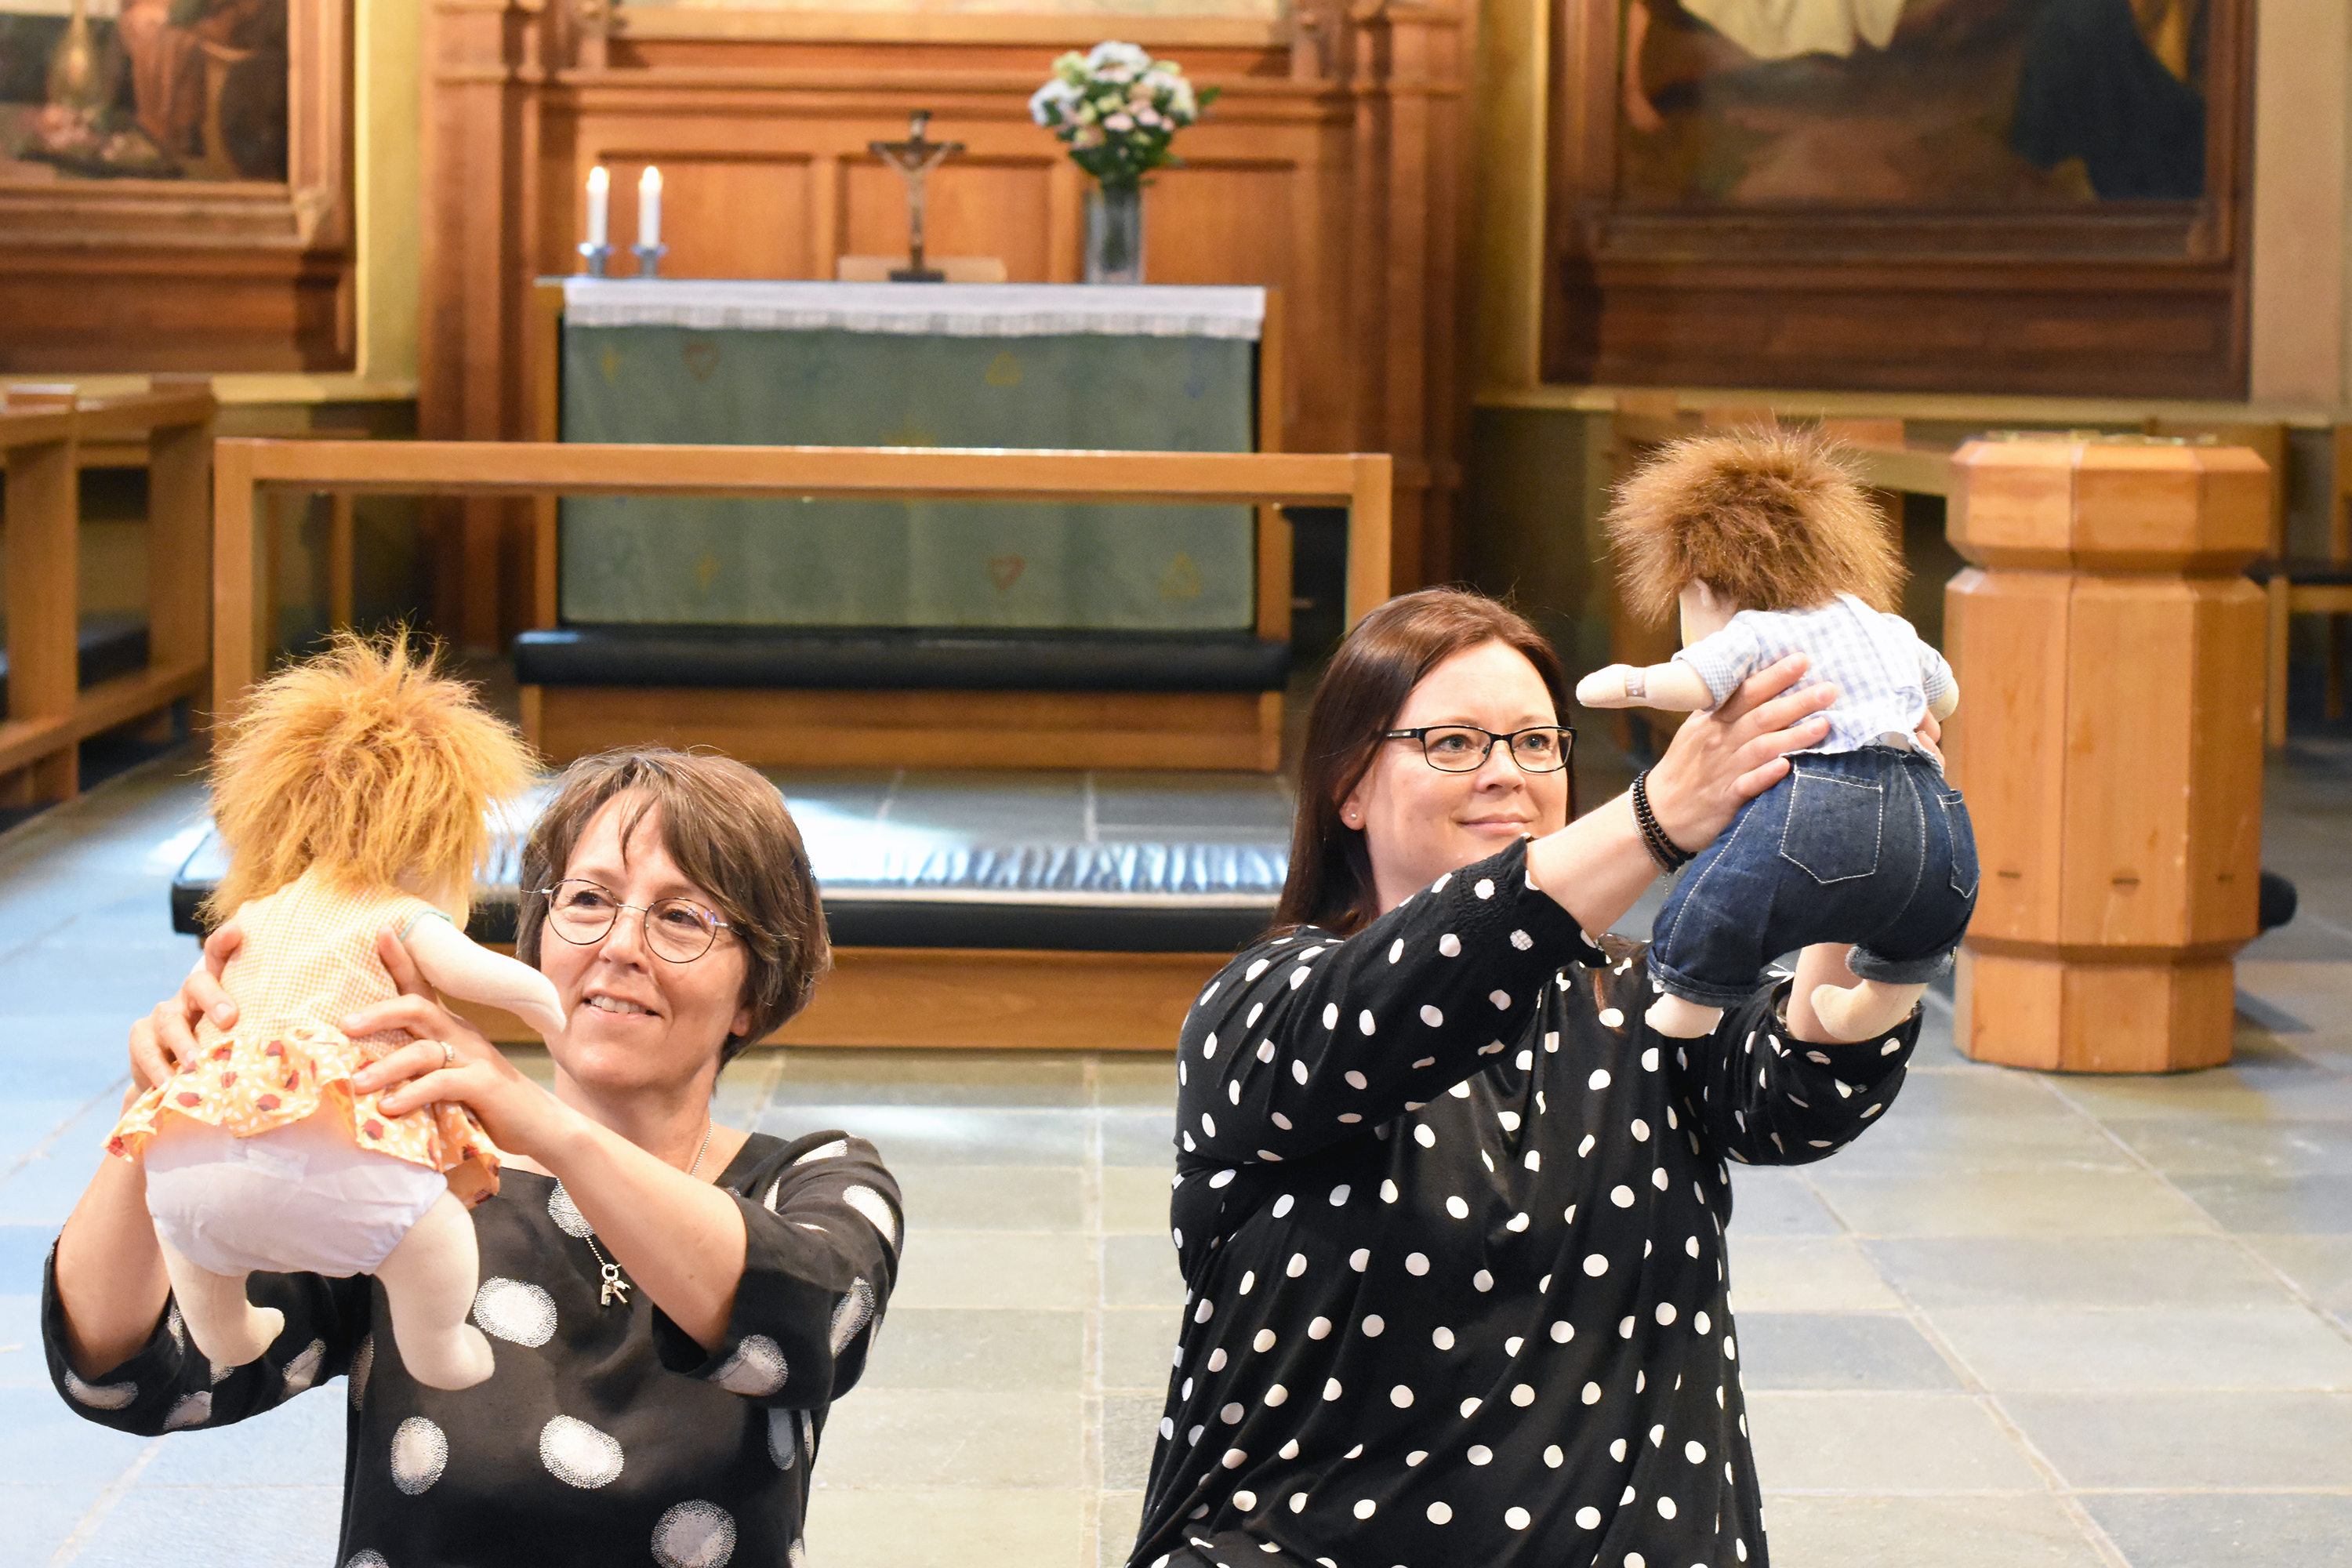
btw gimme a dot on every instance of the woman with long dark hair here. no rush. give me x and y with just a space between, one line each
1450 1215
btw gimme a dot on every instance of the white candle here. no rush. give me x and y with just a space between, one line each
649 208
600 200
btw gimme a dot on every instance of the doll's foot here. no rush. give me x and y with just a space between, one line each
1678 1018
459 1358
1859 1012
239 1338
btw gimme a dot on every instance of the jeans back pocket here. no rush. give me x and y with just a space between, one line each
1833 826
1963 837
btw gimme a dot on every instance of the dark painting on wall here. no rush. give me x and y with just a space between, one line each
144 88
1910 103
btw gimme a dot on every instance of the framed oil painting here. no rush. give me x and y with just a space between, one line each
2012 195
175 185
145 89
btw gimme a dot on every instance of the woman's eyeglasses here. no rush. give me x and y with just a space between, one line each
1464 748
583 912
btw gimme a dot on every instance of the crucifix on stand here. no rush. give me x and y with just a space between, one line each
915 158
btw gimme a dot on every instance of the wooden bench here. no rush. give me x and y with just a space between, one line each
48 435
788 728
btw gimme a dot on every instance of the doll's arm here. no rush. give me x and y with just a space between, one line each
456 966
1672 688
1935 676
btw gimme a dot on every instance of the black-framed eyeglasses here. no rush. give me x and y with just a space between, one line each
679 929
1464 748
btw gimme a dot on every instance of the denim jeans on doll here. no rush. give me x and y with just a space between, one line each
1870 848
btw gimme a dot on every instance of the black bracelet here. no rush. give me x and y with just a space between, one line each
1669 855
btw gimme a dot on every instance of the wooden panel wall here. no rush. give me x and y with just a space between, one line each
1331 168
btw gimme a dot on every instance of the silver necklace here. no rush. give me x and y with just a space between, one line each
615 1287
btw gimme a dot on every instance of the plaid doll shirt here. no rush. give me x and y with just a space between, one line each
1885 676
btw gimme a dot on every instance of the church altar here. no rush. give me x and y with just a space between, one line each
899 364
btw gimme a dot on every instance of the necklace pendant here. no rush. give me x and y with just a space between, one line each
615 1287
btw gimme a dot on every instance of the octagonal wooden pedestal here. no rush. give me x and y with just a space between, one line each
2109 743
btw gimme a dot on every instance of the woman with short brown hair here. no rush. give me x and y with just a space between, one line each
672 1305
1450 1215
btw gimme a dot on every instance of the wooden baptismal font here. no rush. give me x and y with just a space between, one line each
2109 743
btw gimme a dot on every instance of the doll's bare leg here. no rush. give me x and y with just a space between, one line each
429 1280
1678 1018
229 1330
1859 1012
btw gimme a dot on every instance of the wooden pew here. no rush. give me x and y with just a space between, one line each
47 435
247 469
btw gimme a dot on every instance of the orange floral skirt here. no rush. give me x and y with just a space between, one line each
250 1083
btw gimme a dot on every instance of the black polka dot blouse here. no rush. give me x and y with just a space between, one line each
1450 1223
606 1435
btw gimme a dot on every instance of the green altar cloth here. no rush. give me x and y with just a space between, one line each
908 365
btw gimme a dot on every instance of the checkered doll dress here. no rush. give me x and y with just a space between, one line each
309 960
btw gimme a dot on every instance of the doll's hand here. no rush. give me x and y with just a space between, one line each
1720 760
1606 688
167 1037
1927 736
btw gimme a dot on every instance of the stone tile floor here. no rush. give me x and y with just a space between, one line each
2028 1320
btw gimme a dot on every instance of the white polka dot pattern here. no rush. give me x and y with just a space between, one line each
578 1455
754 1368
102 1395
193 1411
303 1371
876 1208
420 1452
512 1311
850 1316
783 1441
568 1218
694 1534
362 1363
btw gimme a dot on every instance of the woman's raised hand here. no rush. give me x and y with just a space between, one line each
1721 760
448 1060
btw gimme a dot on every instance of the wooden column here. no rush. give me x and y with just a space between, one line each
2109 741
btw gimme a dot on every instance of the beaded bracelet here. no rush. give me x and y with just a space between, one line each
1669 855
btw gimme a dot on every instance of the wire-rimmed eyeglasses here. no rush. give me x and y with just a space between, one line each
679 929
1464 748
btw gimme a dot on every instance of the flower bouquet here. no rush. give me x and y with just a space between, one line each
1118 108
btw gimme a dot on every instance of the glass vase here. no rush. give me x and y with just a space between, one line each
1115 234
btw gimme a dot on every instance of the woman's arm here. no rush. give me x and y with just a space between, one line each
678 1237
1310 1040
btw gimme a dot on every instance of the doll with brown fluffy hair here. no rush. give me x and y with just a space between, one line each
1767 546
351 793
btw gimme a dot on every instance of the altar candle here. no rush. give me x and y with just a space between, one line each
600 196
649 208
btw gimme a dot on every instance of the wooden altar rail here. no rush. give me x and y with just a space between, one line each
244 469
47 435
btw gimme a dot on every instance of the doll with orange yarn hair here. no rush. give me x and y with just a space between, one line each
351 793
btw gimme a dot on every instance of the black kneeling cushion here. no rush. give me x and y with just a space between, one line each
889 658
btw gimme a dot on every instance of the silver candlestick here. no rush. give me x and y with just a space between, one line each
597 257
650 259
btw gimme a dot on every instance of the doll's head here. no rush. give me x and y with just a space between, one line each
365 763
1770 519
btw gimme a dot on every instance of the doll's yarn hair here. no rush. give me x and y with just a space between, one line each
365 763
1771 520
